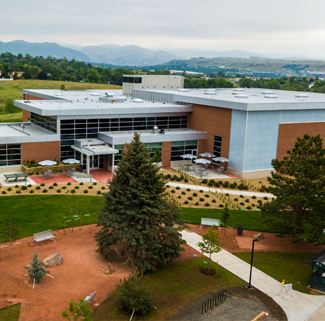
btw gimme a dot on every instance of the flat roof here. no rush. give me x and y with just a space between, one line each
93 102
256 99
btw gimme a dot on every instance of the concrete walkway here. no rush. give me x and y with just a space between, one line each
299 307
220 190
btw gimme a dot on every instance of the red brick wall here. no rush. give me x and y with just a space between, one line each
288 134
166 154
40 151
215 121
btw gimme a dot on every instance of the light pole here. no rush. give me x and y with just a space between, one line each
249 286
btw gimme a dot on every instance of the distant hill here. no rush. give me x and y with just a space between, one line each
126 55
42 49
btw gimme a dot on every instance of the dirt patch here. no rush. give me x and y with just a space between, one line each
233 243
241 304
80 274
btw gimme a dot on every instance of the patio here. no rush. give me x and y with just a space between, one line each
206 174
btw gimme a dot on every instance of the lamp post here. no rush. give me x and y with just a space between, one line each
249 286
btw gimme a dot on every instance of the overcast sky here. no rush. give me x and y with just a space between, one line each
290 27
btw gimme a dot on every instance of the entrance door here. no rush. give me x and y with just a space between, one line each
94 162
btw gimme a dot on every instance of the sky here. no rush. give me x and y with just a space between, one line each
290 27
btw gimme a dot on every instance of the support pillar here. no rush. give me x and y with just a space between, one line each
88 165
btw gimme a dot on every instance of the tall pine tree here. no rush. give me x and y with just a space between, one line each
137 219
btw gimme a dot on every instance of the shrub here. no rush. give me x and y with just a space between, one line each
220 205
207 204
64 187
18 191
236 199
204 181
207 195
259 202
247 200
183 193
263 188
186 202
103 187
58 191
172 191
241 196
31 191
42 184
210 183
132 295
197 203
29 185
254 197
3 192
38 187
23 188
81 183
190 198
44 190
186 180
227 194
242 203
188 189
201 191
194 194
73 191
213 201
266 198
69 183
94 183
253 205
179 197
55 184
50 187
225 184
177 187
99 192
90 187
86 191
248 208
201 199
76 187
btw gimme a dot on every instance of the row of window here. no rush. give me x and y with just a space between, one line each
133 80
10 154
48 123
182 148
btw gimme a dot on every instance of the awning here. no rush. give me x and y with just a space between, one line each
95 150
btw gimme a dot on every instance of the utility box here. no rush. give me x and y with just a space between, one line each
240 230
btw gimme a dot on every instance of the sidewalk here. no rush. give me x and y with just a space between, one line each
220 190
299 307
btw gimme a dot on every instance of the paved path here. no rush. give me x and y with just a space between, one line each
219 190
299 307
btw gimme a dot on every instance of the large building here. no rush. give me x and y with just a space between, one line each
250 127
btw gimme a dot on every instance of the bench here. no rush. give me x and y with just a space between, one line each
90 297
210 221
42 236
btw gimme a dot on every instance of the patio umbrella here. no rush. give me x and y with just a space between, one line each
220 159
47 163
188 156
207 155
71 161
202 161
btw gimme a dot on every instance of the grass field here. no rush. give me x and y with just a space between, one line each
288 266
173 287
11 118
11 313
250 220
13 89
36 213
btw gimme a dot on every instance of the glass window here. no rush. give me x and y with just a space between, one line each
10 154
183 147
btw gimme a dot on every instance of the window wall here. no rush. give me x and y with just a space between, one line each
48 123
88 128
183 147
10 154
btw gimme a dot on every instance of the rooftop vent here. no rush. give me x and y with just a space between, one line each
184 90
271 96
239 90
94 94
241 95
210 92
268 92
109 94
302 95
138 101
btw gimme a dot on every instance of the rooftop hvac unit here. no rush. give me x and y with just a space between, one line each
184 90
268 92
239 90
271 96
240 95
210 92
301 95
94 94
138 101
109 94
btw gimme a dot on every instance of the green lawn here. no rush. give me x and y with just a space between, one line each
173 286
290 266
250 220
11 118
37 213
11 313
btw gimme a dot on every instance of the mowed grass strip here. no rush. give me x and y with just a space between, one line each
288 266
250 220
10 313
173 287
11 118
36 213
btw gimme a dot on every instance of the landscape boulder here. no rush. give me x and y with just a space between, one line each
53 260
108 269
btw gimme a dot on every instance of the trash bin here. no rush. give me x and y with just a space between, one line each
240 230
81 168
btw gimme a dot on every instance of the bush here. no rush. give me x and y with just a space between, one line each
132 295
64 187
236 199
263 188
94 183
253 205
233 185
201 191
190 198
76 187
247 200
42 184
38 187
73 191
207 204
183 193
179 197
266 198
50 187
248 208
103 187
186 202
55 184
216 184
188 189
172 191
220 205
177 187
9 189
227 194
58 191
204 181
69 183
254 197
18 191
213 201
81 183
242 203
241 196
44 190
194 194
29 185
211 183
23 188
90 187
207 195
99 192
3 192
225 184
31 191
197 203
186 180
86 191
16 186
201 199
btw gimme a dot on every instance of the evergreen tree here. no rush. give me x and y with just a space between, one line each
137 219
298 183
36 270
10 233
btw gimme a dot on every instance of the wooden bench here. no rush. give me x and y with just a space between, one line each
90 297
42 236
210 221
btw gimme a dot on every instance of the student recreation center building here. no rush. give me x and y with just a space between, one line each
250 127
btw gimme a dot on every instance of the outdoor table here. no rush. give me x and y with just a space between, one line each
187 167
21 175
10 176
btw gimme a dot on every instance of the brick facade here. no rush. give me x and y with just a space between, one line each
26 113
166 154
215 121
288 134
40 151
